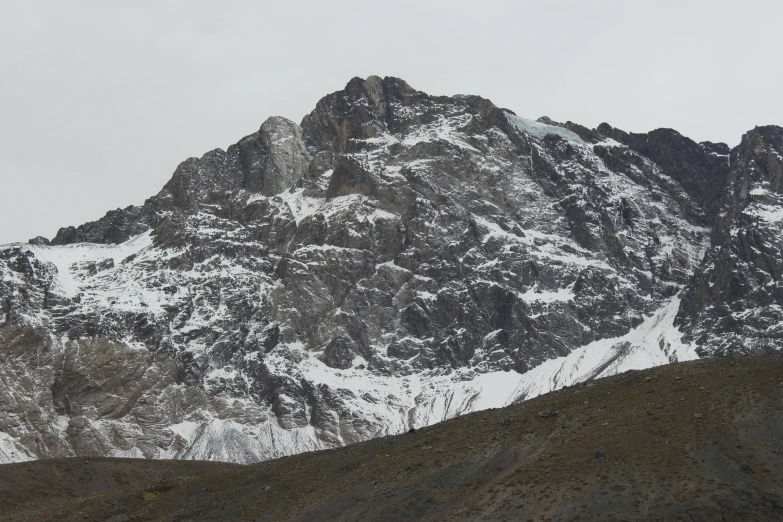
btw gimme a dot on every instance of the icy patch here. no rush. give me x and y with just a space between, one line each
540 130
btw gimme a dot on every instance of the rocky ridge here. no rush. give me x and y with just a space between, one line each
396 260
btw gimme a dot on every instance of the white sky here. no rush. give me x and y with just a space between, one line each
99 103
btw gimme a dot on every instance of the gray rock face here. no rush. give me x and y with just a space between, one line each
267 162
396 260
734 302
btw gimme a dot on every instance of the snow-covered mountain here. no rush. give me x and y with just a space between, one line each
395 260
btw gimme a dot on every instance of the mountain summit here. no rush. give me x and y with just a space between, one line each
396 260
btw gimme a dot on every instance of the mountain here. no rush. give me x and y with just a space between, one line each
396 260
697 441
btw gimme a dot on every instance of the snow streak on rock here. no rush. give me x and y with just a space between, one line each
397 260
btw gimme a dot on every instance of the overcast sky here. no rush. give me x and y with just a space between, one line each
99 103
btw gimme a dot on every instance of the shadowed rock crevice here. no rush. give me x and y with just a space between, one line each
396 260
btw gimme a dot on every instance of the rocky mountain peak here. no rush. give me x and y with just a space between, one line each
268 161
395 260
360 110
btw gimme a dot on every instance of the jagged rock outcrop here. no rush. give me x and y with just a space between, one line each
396 260
267 162
734 302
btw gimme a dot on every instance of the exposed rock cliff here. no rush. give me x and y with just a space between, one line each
396 260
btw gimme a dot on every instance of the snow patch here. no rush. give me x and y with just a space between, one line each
653 343
186 429
63 258
766 213
12 451
301 206
535 295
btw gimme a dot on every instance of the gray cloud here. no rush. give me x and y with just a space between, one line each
98 104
